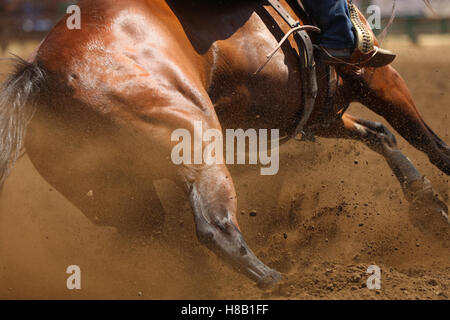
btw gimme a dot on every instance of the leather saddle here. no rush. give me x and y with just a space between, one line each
365 54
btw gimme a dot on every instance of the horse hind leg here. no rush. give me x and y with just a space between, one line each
213 200
424 203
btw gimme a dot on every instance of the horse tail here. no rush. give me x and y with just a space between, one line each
18 100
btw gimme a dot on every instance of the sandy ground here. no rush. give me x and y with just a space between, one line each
333 210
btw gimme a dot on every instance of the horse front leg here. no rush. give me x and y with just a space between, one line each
213 200
425 205
384 91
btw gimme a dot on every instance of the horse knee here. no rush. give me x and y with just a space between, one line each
380 139
383 134
381 128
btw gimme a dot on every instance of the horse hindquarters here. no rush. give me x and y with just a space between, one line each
214 204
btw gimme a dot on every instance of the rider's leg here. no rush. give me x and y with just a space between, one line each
334 19
340 36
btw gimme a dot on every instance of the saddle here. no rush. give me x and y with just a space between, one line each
364 53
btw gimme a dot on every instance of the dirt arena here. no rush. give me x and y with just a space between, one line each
334 209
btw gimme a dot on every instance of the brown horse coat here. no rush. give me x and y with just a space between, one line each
109 96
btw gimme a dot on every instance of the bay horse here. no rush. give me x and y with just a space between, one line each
101 103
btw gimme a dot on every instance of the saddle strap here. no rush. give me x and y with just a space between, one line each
284 14
306 40
308 66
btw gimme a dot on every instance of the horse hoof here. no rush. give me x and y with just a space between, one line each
425 202
430 215
432 204
269 280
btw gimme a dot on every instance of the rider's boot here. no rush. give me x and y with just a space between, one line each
377 57
345 38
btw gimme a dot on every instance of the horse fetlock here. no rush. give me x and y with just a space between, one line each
382 129
226 241
206 237
381 142
270 280
224 226
211 235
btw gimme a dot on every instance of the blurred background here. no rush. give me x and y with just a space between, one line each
30 19
412 17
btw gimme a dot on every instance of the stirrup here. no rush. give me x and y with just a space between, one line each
376 58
